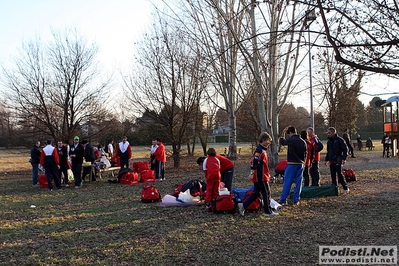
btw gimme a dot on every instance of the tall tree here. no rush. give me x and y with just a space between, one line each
52 85
374 116
169 83
364 34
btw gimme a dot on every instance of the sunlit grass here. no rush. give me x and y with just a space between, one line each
106 224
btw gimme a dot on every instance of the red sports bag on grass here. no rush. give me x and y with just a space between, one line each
147 176
43 181
140 166
150 194
255 205
225 204
129 178
349 175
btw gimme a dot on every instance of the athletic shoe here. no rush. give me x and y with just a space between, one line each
346 191
77 187
36 185
66 185
282 202
270 214
241 208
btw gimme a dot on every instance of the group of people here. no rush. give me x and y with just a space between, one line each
57 160
303 157
304 153
65 156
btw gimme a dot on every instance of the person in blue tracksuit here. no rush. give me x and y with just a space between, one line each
296 156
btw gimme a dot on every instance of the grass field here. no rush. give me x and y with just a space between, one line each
106 224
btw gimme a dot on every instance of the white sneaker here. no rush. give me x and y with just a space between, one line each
241 209
270 214
346 191
77 187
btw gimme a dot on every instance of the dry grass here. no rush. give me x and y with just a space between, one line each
106 224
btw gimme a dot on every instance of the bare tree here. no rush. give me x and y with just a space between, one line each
341 89
52 86
364 34
169 83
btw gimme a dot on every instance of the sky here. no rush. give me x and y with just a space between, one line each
114 25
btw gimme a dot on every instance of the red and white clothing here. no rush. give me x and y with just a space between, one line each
160 159
211 167
124 152
50 160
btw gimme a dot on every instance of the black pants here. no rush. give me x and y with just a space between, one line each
306 179
335 169
260 188
77 173
52 174
315 173
159 170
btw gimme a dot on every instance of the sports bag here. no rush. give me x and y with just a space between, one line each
197 187
321 191
147 176
129 178
239 193
255 205
349 175
150 194
140 166
225 204
43 181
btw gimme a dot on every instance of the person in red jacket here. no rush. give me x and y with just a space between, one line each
308 164
124 152
226 169
211 168
159 160
317 146
51 163
260 176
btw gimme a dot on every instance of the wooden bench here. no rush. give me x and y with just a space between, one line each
108 171
363 144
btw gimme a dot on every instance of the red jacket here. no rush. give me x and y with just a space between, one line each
211 167
309 147
160 153
49 151
314 146
260 165
225 163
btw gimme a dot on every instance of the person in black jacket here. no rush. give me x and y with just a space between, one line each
337 152
63 156
34 161
89 156
76 154
296 156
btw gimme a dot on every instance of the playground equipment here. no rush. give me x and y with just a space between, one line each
391 123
